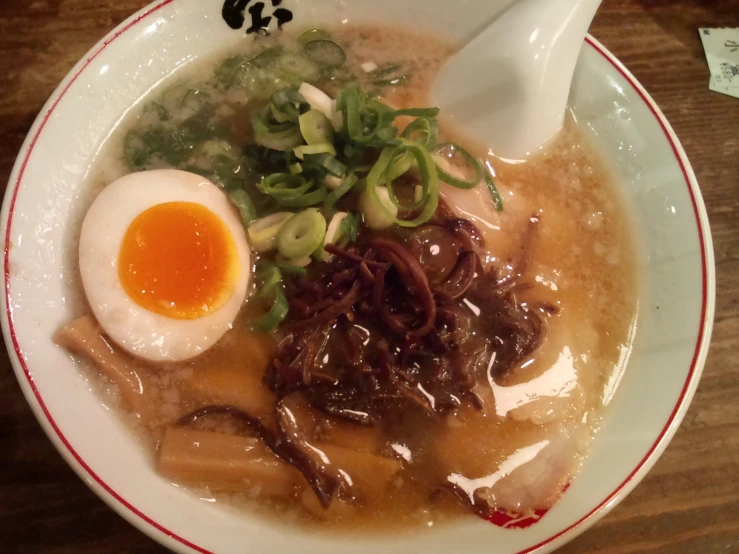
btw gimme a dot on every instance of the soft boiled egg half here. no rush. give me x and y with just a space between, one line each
165 263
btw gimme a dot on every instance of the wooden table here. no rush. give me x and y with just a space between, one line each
689 503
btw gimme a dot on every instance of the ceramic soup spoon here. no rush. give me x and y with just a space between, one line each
508 87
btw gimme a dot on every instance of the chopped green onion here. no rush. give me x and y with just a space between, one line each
346 185
290 269
423 130
312 149
295 168
263 232
317 99
279 116
286 105
269 277
280 136
270 284
401 164
334 233
313 34
309 199
276 314
350 227
325 52
326 162
284 186
445 170
241 200
316 128
497 198
302 234
300 66
378 210
298 263
417 112
429 183
332 182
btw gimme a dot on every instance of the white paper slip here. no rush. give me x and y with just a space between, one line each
722 53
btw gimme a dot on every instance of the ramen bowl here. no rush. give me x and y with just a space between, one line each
676 301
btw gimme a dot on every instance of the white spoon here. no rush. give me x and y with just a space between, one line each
508 87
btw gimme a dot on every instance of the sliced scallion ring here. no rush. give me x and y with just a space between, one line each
424 131
346 185
417 112
326 162
278 116
308 199
317 99
302 234
497 198
334 233
445 169
263 232
268 277
337 117
350 228
284 186
429 182
316 128
402 163
332 182
313 34
276 314
243 203
281 136
377 209
313 149
297 263
325 52
299 66
286 268
287 102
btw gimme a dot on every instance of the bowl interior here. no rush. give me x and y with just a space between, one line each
44 196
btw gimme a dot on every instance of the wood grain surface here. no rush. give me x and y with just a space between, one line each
688 504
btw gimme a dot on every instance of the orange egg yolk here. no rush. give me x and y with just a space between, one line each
179 260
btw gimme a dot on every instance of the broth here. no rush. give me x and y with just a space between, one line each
516 448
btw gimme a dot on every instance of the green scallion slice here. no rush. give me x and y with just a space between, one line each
302 234
326 162
444 168
325 52
300 66
497 198
243 203
316 128
346 185
429 182
263 232
313 149
276 314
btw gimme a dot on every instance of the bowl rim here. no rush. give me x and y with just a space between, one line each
169 538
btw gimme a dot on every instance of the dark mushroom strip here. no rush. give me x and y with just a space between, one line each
410 266
329 314
518 265
281 444
462 276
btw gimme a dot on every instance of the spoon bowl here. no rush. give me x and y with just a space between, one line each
508 87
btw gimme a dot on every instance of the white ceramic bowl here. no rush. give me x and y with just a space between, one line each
677 303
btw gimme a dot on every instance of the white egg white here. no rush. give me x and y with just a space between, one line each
137 330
